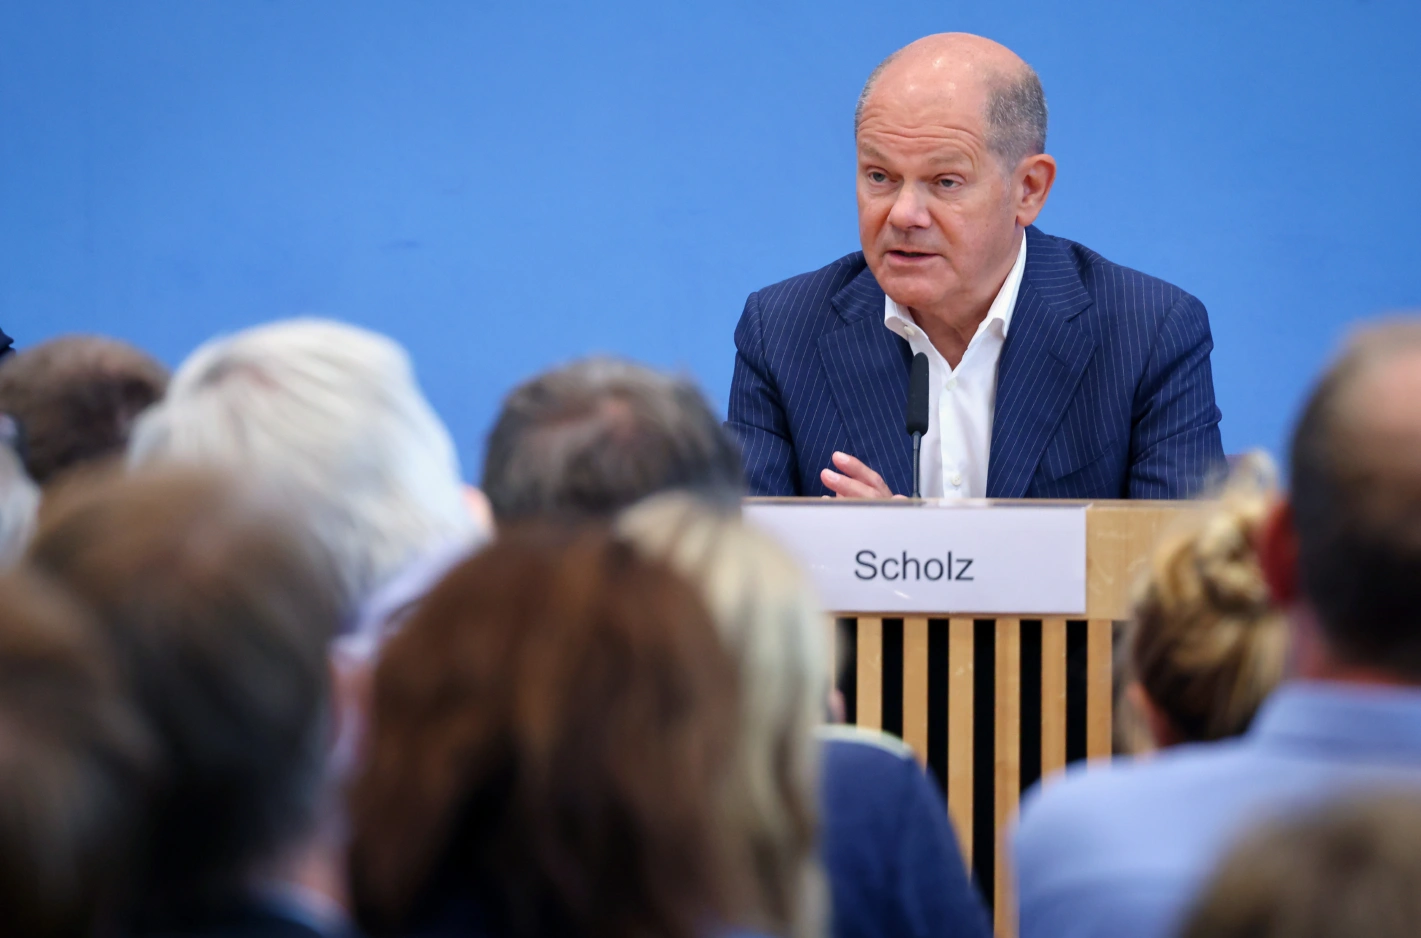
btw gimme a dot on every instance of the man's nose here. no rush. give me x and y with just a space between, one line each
910 209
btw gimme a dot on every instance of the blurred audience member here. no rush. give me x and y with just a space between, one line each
73 764
332 414
1122 851
19 496
550 736
1351 870
893 862
1207 645
220 613
592 437
76 398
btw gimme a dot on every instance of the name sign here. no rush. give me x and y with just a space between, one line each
935 557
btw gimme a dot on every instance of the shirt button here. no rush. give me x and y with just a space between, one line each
956 479
952 383
909 331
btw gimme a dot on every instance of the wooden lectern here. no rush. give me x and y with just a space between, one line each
993 703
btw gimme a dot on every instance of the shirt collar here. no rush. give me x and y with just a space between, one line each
1335 718
895 317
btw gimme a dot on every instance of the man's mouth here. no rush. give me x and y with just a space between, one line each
910 255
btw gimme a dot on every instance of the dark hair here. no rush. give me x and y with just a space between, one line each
1349 869
73 764
593 437
76 398
549 737
1356 501
220 615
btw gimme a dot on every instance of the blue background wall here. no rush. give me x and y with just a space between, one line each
502 187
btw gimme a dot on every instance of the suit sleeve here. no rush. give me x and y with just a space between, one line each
1175 446
756 415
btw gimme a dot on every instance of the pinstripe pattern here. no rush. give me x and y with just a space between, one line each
1104 388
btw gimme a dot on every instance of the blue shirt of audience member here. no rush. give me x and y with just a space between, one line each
1122 850
889 850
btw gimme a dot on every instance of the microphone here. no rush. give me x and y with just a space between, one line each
917 416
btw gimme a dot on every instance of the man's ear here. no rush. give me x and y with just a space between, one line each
1277 548
1035 175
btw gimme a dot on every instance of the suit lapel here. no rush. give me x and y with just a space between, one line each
867 367
1046 352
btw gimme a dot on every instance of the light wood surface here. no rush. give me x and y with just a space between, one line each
869 692
915 685
1119 539
1100 661
1053 696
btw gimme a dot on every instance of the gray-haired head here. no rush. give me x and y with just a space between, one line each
591 438
1016 103
332 415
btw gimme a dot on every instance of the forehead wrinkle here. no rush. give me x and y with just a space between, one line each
936 144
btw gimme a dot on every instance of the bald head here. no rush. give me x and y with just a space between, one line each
1356 498
957 72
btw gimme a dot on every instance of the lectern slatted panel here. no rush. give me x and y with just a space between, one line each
994 741
870 672
1100 659
961 658
1007 791
1053 696
915 685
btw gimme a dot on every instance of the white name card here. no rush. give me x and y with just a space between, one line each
935 557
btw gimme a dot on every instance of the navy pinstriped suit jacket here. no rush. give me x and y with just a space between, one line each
1103 390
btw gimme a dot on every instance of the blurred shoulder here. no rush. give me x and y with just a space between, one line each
1174 797
853 742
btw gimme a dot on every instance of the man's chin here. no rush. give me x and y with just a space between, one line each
910 289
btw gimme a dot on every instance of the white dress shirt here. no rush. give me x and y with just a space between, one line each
961 400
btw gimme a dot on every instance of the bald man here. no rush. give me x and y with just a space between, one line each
1053 373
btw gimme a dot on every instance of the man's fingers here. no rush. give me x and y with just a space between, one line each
855 469
845 487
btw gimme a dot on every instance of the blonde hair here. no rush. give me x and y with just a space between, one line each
773 627
1206 644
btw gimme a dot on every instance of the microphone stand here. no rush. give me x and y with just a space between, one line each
917 447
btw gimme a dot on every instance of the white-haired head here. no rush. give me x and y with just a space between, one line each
331 414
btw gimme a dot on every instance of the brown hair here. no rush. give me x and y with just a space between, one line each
73 764
219 614
1348 869
549 736
76 398
1206 643
1356 501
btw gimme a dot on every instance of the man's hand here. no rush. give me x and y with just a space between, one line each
854 480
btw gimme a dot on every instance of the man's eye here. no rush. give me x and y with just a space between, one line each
948 183
875 176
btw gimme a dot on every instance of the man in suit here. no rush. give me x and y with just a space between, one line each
1053 372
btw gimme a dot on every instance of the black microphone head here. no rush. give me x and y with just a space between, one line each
918 395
